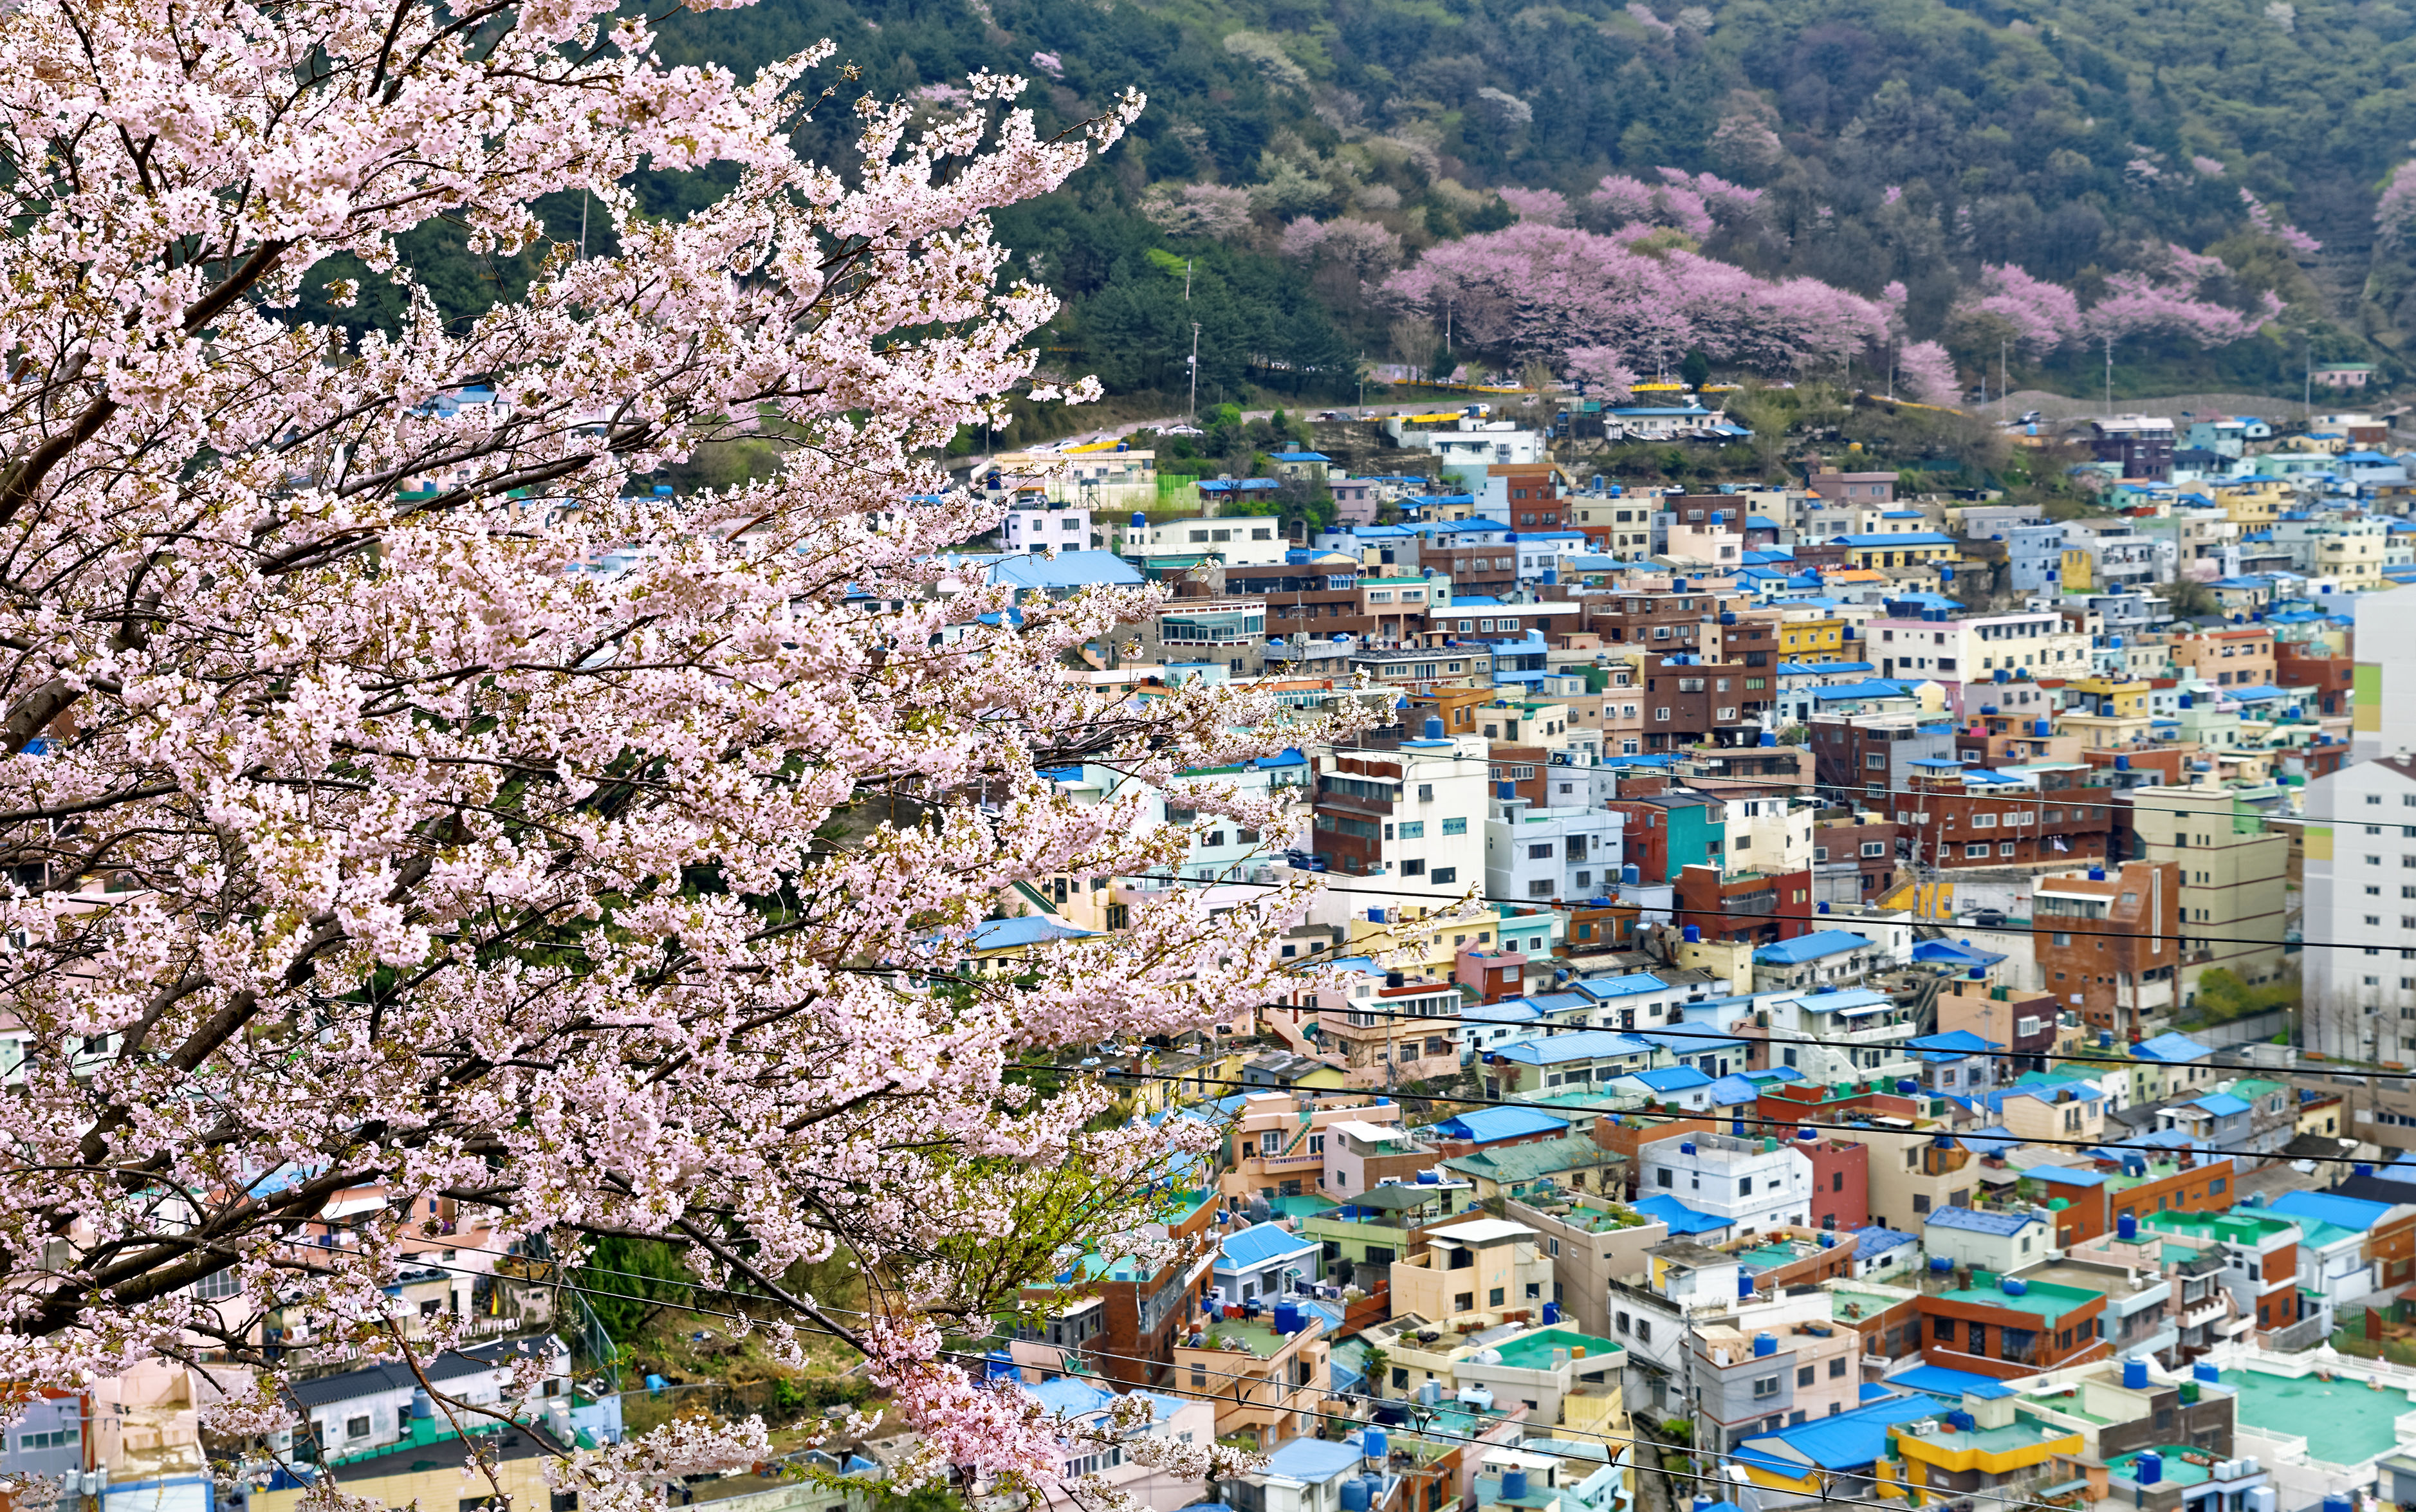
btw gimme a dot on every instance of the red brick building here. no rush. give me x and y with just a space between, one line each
1841 1183
1762 906
2108 942
2324 678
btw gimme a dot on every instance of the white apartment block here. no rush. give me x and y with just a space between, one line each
1036 530
1753 1183
1564 852
2360 888
2382 715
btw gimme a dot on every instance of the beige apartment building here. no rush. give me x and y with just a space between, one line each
2232 875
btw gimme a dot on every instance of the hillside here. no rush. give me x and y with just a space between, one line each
1297 152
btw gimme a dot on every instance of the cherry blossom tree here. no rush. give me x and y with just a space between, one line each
402 798
1550 206
1925 372
1554 289
2010 305
1605 373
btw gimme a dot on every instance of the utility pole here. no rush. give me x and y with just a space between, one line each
2307 357
1187 280
2004 384
2110 376
1195 373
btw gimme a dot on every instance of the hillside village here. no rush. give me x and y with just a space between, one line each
1821 993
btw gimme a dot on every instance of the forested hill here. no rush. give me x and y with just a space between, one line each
1889 141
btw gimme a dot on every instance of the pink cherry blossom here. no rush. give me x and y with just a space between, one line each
1601 369
1923 371
2036 316
2262 218
425 814
1546 290
1550 206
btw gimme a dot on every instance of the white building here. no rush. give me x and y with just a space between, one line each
1044 527
1238 541
1413 817
1767 834
2359 969
1958 652
1748 1186
2382 715
1548 854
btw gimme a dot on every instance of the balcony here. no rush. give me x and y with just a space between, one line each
2206 1312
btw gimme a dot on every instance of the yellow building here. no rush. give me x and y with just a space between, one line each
2251 504
2001 1444
2078 570
1894 552
1822 639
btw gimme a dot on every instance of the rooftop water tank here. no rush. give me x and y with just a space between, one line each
1906 1086
1940 1264
2149 1469
2126 1228
1514 1483
1373 1441
1139 520
1770 738
1354 1496
1694 934
1551 1314
2205 1371
2121 764
2135 1374
1286 1316
1630 875
2097 873
2015 1286
1764 1344
1434 727
1745 1284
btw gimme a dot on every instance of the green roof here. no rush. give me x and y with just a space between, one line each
2043 1299
1533 1351
1518 1163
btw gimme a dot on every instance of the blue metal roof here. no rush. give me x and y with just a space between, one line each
1627 986
2221 1104
1907 538
1941 1382
1970 1220
1955 953
1488 1124
1731 1090
1584 1045
1817 945
2326 1207
1678 1217
1670 1079
1030 930
1875 1240
1066 569
1258 1245
1960 1042
2067 1175
2171 1047
1850 1440
1314 1461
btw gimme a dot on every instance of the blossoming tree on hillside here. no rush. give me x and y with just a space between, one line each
364 837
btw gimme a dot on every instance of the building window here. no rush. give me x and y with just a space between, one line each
1765 1387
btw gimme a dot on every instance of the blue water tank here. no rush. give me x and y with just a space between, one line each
2149 1469
1551 1314
1685 1147
2042 727
1139 520
422 1406
1514 1483
1764 1344
1808 1133
2015 1287
2185 701
2360 1169
1506 790
2135 1374
1823 907
2105 1039
662 491
2203 1372
1354 1496
1828 1240
999 1364
1286 1316
2339 1502
1434 727
1630 876
1906 1086
1960 1421
1770 738
1940 1264
1694 934
1744 1284
1375 915
1429 1178
1736 1128
2097 873
2126 1228
2121 764
1373 1442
